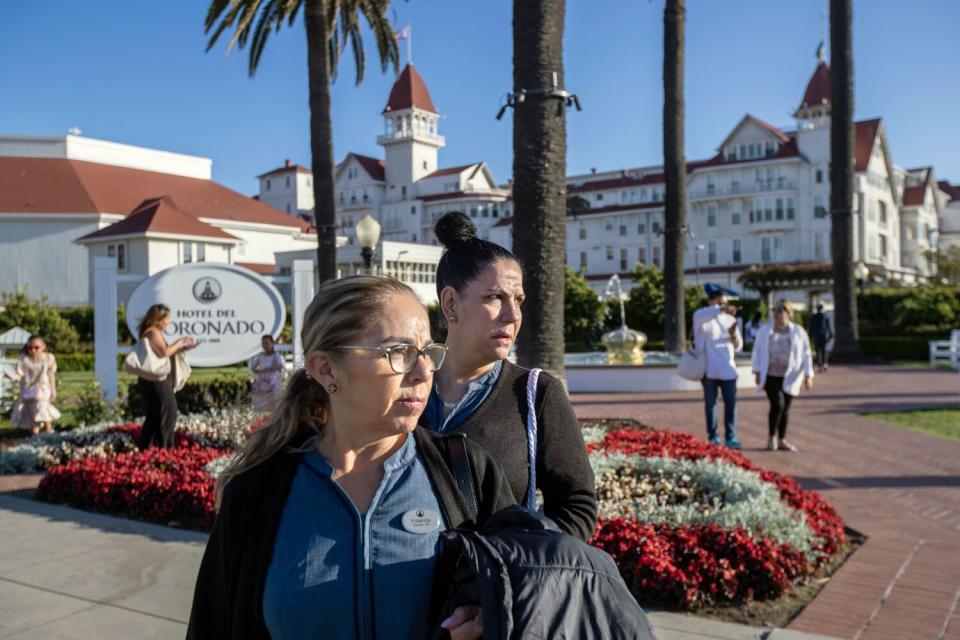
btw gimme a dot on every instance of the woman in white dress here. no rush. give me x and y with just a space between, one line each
37 373
267 369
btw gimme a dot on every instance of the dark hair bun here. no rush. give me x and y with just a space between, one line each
453 229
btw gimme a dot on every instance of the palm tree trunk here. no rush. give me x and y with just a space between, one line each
321 138
539 172
841 177
675 175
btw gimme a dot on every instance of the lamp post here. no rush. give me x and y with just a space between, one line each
699 248
401 272
368 235
861 273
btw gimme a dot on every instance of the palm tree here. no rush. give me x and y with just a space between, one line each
841 177
539 178
675 176
325 42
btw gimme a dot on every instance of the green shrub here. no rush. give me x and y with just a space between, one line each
36 316
922 310
199 396
896 347
81 361
81 319
583 313
92 407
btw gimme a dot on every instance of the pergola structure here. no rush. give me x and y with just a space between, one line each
813 278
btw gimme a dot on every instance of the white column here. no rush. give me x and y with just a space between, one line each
302 294
105 324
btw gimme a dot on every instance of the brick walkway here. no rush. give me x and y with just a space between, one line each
900 488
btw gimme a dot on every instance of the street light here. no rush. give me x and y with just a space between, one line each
699 248
368 235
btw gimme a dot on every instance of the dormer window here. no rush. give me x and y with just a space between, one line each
731 152
771 148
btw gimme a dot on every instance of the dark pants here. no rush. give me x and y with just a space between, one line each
728 388
820 346
161 406
779 406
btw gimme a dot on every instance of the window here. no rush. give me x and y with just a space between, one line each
819 207
623 259
484 211
599 197
656 227
642 255
779 208
187 252
790 212
623 228
111 251
742 152
583 260
424 165
268 184
403 192
711 215
778 248
583 233
642 228
656 257
819 177
818 246
770 148
735 212
737 257
609 253
288 207
473 212
883 211
608 225
768 209
883 248
413 210
201 252
288 181
711 183
770 177
712 252
735 182
765 249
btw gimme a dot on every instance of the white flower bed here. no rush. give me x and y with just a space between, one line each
732 496
225 430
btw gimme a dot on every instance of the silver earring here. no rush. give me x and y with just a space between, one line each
332 388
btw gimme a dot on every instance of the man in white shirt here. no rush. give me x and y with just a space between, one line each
717 335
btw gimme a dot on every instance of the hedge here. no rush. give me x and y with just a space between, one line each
896 347
81 361
199 396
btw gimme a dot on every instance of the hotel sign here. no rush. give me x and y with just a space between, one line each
225 308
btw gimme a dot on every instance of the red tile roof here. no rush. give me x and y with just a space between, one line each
865 135
614 208
769 127
286 168
914 195
159 215
616 183
505 222
409 91
454 195
57 185
450 171
951 190
818 88
374 167
256 267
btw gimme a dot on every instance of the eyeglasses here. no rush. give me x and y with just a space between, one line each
779 310
403 357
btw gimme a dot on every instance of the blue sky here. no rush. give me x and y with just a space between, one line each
136 72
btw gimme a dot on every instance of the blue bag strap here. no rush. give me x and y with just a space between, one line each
531 501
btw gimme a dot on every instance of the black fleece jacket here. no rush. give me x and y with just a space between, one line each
228 599
564 476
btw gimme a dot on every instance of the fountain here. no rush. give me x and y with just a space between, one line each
626 368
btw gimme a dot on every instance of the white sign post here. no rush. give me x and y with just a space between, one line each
226 308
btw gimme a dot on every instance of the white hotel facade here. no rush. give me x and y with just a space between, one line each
762 199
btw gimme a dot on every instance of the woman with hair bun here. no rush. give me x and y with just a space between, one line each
481 394
330 516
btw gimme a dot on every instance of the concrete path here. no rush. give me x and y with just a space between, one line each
71 575
900 488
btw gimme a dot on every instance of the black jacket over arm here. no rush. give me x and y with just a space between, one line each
228 599
564 475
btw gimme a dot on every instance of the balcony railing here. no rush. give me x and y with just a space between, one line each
743 189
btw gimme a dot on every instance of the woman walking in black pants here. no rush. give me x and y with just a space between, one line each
782 364
158 396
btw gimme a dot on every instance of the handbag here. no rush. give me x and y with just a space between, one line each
181 372
144 363
692 365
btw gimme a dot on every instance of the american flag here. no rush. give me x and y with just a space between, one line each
403 34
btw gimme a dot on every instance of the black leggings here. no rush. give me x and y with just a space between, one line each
161 407
779 406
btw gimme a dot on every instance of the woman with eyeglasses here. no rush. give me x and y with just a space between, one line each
158 396
330 516
782 364
481 394
37 372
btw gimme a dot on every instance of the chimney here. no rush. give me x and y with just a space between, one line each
593 170
287 164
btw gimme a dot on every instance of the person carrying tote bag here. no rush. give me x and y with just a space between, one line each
161 370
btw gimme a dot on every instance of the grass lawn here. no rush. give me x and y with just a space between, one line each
938 422
71 384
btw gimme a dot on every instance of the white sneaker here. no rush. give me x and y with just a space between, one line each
772 444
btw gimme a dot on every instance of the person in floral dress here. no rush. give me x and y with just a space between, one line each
267 368
37 373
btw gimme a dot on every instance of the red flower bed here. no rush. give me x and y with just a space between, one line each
685 567
161 485
822 518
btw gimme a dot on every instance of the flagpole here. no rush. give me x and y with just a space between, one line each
409 44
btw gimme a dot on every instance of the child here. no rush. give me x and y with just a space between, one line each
267 368
36 371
